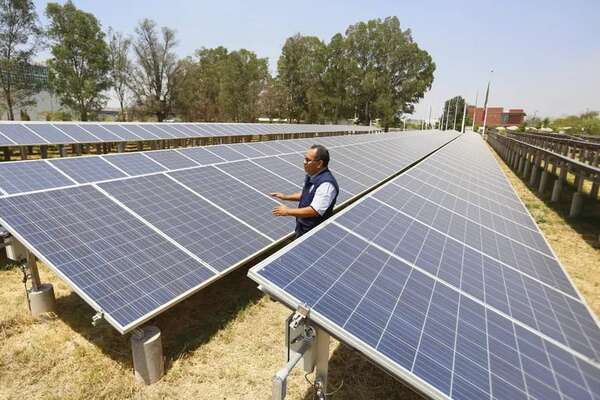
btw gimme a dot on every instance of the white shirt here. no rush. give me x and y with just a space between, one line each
323 197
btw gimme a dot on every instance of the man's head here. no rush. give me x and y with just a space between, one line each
316 159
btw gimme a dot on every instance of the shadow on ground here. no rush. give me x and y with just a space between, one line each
360 379
184 327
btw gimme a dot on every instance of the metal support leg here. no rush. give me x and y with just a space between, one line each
321 362
41 295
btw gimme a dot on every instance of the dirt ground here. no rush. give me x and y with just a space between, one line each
226 342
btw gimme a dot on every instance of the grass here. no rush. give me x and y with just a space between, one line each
225 342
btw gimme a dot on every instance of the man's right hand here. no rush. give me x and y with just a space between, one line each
279 195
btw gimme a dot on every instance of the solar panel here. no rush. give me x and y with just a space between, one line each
87 169
259 178
200 155
20 135
112 259
77 133
240 200
203 229
120 132
247 151
445 316
101 133
25 176
171 159
134 163
50 133
227 153
139 131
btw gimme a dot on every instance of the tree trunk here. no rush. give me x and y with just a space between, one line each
9 105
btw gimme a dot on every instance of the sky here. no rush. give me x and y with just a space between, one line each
545 55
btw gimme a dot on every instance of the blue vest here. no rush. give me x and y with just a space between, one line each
303 225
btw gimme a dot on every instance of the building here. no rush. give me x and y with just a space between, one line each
497 116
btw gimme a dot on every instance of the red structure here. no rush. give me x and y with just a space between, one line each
497 116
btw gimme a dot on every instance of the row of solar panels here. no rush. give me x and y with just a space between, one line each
442 277
37 133
134 246
27 176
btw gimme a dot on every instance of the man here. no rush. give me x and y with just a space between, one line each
318 196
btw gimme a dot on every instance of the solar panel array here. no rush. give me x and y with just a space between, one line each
134 234
44 133
442 277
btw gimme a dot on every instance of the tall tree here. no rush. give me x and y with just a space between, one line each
120 66
244 77
300 69
389 72
153 77
19 40
78 69
272 100
336 80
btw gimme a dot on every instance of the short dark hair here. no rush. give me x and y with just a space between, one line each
322 153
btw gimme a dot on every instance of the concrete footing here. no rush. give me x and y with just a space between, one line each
576 205
543 181
148 361
41 301
556 191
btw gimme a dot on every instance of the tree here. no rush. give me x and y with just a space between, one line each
153 77
453 109
78 69
272 99
244 77
120 66
19 40
389 72
336 79
300 69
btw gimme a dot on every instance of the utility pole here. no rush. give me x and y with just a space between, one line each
447 114
462 128
429 120
455 113
475 111
487 95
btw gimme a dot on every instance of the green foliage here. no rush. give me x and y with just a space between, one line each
59 116
300 67
78 69
374 71
19 40
587 123
220 85
153 78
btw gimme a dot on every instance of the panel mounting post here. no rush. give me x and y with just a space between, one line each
41 295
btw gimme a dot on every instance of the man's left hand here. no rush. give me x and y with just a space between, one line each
281 211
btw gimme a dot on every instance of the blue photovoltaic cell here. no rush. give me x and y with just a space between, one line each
50 133
200 155
121 132
140 131
77 133
282 168
465 319
20 134
259 178
226 152
101 133
87 169
157 131
107 254
428 329
174 130
26 176
242 201
4 140
246 150
206 231
134 163
171 159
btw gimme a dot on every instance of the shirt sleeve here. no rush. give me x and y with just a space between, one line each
323 197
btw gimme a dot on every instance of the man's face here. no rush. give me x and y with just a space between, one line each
311 165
